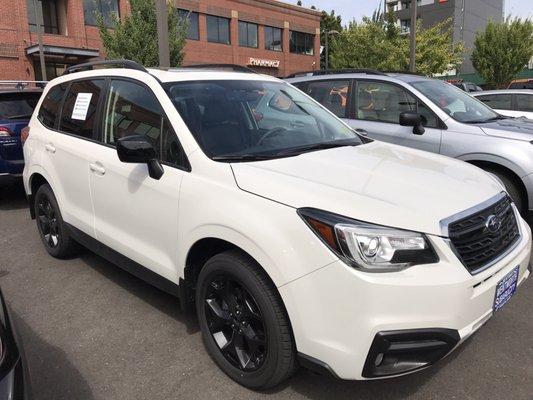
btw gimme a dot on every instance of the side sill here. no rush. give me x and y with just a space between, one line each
124 262
315 365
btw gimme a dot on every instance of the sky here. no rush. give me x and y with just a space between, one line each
350 9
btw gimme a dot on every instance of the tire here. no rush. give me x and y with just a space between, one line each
511 188
52 229
270 357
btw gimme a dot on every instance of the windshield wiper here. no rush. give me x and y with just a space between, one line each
243 157
482 121
319 146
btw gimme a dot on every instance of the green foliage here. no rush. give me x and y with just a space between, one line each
378 43
328 22
135 36
502 50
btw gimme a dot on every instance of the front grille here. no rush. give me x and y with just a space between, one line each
475 244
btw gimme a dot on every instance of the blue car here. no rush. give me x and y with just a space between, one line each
16 108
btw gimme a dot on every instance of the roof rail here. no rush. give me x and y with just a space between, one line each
21 85
404 72
117 63
232 67
336 71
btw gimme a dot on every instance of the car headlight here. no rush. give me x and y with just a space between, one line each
373 248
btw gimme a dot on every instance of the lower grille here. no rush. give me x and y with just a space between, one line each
485 235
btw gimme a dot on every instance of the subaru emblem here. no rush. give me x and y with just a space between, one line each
493 223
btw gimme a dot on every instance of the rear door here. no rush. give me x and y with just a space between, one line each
68 149
376 107
135 214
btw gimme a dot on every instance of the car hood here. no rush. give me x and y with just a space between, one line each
512 128
376 182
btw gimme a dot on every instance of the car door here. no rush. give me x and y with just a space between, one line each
377 106
135 214
69 148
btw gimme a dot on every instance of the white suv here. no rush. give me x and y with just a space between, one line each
297 241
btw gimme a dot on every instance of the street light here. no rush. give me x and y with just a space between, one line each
328 33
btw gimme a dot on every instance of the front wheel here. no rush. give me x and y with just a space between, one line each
244 324
511 188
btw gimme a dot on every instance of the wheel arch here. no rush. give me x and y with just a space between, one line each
37 178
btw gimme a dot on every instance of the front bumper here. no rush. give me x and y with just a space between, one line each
337 312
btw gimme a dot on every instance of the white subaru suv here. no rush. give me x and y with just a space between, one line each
297 241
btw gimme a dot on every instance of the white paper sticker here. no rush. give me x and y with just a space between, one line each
81 106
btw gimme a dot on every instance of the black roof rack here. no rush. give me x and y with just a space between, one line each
336 71
404 72
112 63
232 67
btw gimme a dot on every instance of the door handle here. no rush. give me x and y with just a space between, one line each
50 148
97 168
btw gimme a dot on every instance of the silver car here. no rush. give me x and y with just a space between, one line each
431 115
510 102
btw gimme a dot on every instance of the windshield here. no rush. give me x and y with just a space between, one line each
456 103
247 119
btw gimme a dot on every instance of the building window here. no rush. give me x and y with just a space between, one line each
247 34
405 25
193 31
53 69
302 43
50 10
273 39
108 9
218 29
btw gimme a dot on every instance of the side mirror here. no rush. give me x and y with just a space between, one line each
411 118
138 150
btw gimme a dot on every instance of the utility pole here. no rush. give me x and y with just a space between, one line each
328 33
412 35
162 33
39 23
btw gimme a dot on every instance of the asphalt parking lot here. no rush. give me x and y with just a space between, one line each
92 331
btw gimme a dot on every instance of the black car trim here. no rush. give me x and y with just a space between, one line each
316 365
123 262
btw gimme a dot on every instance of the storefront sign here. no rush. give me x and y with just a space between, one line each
260 62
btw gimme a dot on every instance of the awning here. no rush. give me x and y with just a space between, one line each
62 51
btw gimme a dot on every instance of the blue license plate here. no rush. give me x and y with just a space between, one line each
506 288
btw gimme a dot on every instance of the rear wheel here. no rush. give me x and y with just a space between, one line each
244 324
52 229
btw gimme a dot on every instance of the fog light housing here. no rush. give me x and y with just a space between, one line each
399 352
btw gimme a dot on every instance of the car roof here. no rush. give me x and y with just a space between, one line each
390 76
192 74
504 91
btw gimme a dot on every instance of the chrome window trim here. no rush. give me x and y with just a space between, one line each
444 224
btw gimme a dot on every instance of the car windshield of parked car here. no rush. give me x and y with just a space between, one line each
17 105
247 120
456 103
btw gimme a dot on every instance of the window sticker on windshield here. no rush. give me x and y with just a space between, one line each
81 106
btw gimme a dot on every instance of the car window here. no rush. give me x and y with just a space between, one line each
524 102
521 85
332 94
49 109
497 101
18 105
253 117
133 109
78 114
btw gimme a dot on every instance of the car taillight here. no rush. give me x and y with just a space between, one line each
24 133
5 131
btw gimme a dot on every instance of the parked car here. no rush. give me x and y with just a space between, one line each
432 115
467 86
510 102
14 376
16 108
521 84
297 243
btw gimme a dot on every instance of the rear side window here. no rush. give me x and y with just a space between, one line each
524 102
497 101
16 106
79 110
332 94
50 106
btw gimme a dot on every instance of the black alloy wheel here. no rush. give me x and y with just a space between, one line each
235 323
47 220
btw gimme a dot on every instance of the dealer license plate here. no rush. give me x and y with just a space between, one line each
506 288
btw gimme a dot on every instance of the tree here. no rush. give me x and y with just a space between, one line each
135 36
377 43
328 22
502 50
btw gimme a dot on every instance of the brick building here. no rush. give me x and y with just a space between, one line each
267 35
